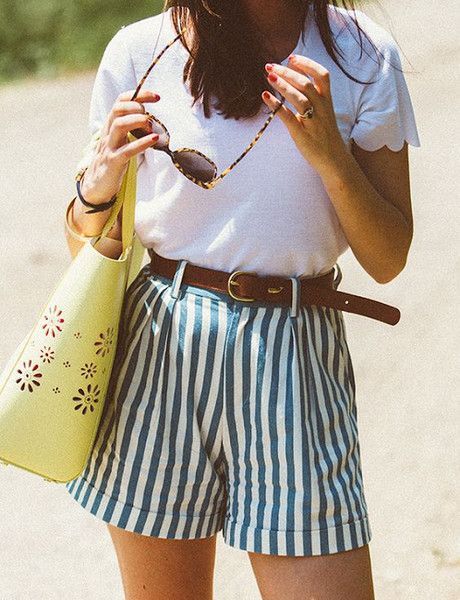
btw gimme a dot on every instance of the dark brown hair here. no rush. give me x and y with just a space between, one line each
223 39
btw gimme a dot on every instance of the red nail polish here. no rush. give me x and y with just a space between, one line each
272 77
266 95
269 66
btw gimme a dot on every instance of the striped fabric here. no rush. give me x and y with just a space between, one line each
232 416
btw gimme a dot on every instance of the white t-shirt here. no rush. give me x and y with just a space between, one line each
271 213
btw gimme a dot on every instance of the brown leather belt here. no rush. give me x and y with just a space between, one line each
246 286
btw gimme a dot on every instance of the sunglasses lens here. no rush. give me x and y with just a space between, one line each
163 140
196 165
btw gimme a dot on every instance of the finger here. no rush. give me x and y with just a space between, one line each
125 108
143 96
297 79
121 126
298 100
124 99
319 73
127 151
286 115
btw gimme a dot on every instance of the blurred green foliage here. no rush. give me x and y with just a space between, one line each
47 38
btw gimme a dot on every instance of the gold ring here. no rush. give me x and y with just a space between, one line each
307 114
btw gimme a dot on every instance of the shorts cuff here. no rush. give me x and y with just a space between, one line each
143 521
339 538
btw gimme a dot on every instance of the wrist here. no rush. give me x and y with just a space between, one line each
339 169
90 197
87 197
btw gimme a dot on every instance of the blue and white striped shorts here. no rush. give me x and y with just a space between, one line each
233 416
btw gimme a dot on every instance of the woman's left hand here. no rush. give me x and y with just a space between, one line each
317 138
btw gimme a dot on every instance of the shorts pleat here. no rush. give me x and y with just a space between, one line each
232 417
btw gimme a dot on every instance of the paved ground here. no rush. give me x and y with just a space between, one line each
406 376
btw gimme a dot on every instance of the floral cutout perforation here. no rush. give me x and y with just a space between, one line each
29 376
105 341
89 370
53 321
87 398
47 354
35 370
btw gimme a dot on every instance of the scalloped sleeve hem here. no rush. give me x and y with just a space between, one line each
385 114
393 137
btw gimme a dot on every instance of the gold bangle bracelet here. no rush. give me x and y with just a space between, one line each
107 246
70 225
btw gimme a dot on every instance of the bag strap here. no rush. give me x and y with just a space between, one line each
126 198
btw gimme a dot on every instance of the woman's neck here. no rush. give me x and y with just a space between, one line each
277 20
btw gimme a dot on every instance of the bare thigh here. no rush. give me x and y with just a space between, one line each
157 568
339 576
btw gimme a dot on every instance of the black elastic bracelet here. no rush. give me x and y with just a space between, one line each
95 207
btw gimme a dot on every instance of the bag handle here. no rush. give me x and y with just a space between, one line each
126 198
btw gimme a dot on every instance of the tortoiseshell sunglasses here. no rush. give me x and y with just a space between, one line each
193 164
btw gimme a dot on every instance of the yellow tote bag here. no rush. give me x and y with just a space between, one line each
52 391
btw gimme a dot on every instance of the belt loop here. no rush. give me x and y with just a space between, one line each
177 280
295 295
338 276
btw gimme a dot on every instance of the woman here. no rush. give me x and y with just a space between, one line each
231 409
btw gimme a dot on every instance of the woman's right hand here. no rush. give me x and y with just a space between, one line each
104 175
